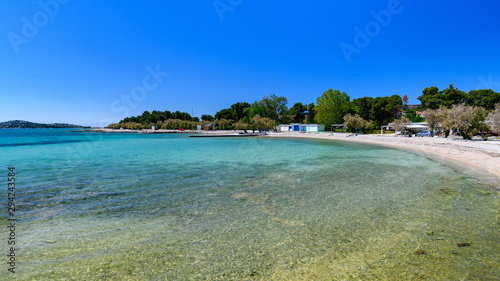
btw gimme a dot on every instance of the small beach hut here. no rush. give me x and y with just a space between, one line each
295 127
283 128
312 128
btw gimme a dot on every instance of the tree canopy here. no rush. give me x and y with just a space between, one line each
311 112
207 117
482 98
433 98
384 109
467 120
362 107
156 116
297 113
331 107
272 107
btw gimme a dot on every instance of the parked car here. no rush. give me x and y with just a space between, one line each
425 134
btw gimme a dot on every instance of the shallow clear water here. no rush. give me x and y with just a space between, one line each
138 207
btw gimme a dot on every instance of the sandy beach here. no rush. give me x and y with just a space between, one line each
479 155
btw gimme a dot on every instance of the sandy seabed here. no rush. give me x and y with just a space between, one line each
483 157
480 157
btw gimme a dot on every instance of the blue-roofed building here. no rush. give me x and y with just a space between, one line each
296 127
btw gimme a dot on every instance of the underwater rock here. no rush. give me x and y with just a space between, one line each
420 252
447 190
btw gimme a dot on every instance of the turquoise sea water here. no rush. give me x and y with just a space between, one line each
93 206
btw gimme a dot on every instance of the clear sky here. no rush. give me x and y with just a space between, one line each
93 62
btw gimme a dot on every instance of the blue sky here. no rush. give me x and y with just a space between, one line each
90 62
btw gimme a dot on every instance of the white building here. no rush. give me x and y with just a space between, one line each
416 127
296 127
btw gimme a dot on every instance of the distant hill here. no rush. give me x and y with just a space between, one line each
20 124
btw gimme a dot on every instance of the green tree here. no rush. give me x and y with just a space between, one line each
145 118
262 123
115 126
452 96
223 124
354 122
240 125
167 115
154 118
331 107
206 117
227 113
297 113
239 110
412 115
431 98
273 107
181 116
362 107
482 98
492 100
311 112
384 109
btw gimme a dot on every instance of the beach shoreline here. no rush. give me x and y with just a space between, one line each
483 157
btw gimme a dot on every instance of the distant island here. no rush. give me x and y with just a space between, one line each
20 124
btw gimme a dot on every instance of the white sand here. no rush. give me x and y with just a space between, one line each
483 155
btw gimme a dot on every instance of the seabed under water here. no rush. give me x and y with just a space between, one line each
248 209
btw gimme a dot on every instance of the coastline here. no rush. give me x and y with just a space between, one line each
159 131
479 157
324 214
483 157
